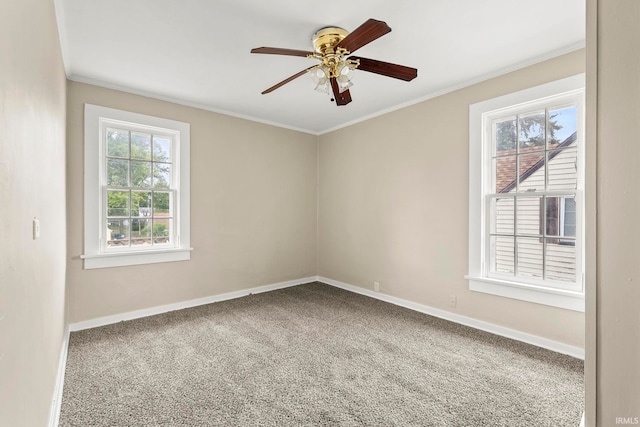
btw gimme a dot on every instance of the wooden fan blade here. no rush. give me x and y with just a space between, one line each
386 69
280 51
285 81
364 34
341 98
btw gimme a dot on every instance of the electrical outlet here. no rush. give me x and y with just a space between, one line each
376 286
453 300
36 228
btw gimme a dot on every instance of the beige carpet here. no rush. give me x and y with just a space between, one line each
312 355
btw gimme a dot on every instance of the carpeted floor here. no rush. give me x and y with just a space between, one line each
312 355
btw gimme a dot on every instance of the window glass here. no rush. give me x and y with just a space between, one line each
138 162
531 129
140 146
524 226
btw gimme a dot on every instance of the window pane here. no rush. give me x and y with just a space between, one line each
118 173
502 254
505 137
162 231
560 262
563 169
140 232
529 261
531 171
140 174
569 217
502 216
161 175
140 146
505 173
117 143
117 203
161 149
118 232
532 130
162 204
562 124
141 203
528 215
552 208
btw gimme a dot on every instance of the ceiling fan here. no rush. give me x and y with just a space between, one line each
332 45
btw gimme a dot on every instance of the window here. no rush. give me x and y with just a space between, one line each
560 219
525 195
136 189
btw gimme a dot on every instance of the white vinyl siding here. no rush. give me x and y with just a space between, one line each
558 256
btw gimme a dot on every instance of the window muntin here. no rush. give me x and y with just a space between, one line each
534 171
139 188
136 189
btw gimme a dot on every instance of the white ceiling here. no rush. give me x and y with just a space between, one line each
196 52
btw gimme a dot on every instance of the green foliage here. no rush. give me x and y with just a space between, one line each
118 203
129 156
532 132
160 202
160 230
117 143
129 164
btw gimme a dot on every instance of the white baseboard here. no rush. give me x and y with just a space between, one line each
108 320
467 321
556 346
56 401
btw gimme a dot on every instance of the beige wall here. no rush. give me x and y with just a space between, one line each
32 184
618 162
393 206
258 204
253 211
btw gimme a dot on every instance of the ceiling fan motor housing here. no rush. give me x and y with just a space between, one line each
326 39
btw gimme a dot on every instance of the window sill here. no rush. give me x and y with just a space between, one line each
122 259
569 300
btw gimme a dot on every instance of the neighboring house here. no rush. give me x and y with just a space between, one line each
557 211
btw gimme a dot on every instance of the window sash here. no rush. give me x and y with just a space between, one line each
542 256
174 188
542 236
174 237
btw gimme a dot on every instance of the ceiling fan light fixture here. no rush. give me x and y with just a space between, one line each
332 47
345 71
323 87
319 75
342 86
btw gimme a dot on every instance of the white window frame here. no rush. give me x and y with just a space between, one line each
96 253
537 291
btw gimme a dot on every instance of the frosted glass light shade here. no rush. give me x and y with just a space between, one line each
319 75
324 87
